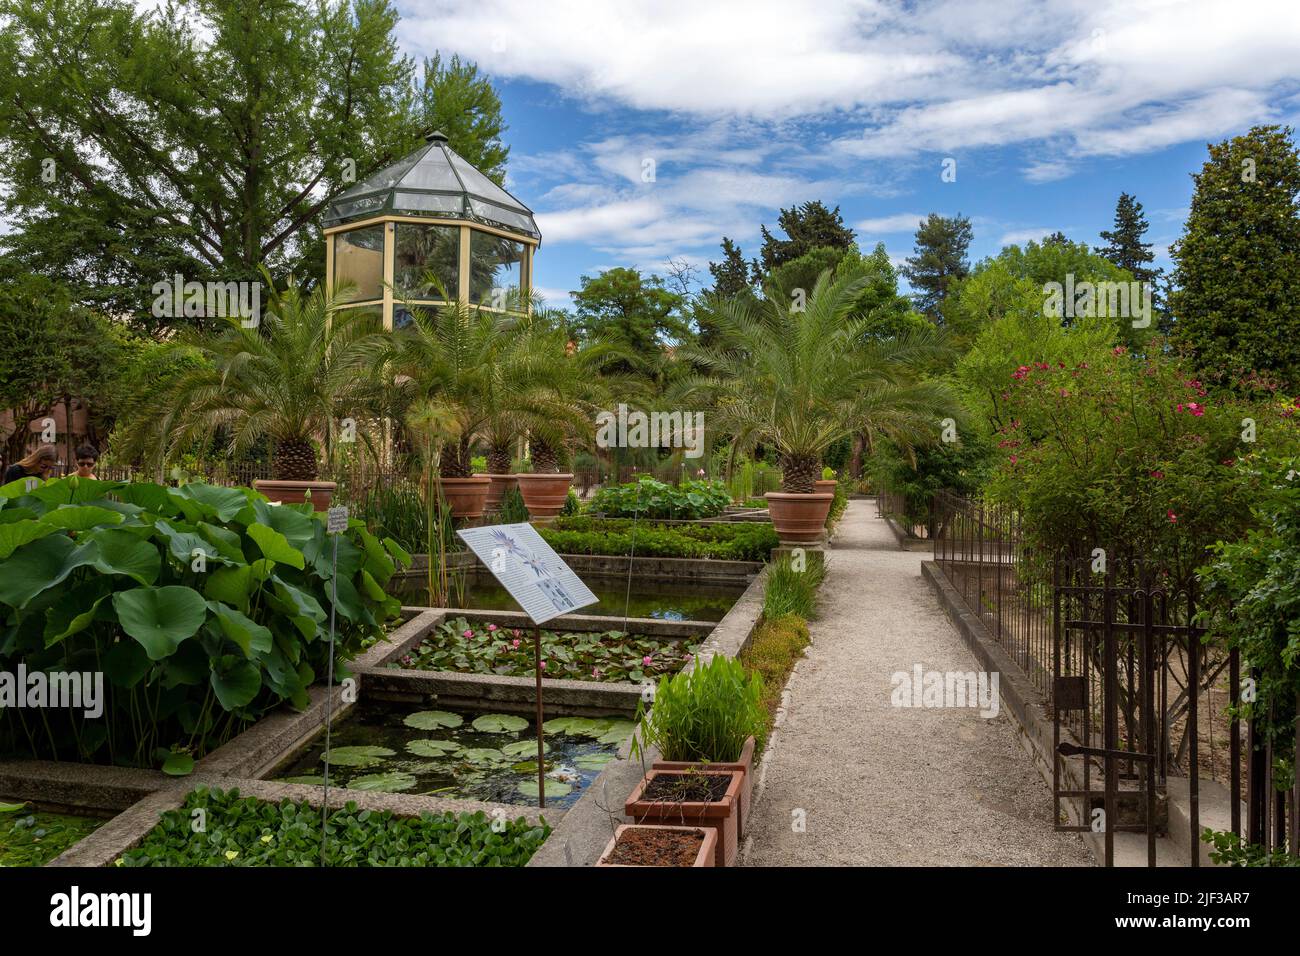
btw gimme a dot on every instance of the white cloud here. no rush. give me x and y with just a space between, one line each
1019 237
899 222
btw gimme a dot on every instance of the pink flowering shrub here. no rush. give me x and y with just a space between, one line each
1131 454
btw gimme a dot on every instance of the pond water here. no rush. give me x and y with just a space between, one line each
399 748
667 601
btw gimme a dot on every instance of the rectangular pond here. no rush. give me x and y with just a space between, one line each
406 748
665 601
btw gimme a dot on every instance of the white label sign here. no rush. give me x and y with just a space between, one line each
536 577
336 520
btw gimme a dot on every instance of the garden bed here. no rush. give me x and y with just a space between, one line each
32 836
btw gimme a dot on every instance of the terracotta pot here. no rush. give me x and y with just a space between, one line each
798 519
745 765
498 485
465 497
708 845
544 494
825 486
295 492
720 815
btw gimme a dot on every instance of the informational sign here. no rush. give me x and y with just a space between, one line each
336 519
536 577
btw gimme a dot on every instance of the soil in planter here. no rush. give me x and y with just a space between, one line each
654 847
32 838
397 748
687 787
665 601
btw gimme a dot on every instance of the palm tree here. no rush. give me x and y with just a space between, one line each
288 379
798 380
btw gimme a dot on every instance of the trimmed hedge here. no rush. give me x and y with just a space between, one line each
730 541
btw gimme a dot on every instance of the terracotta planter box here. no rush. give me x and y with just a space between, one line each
798 519
295 492
719 815
745 765
466 497
825 486
498 485
708 846
544 494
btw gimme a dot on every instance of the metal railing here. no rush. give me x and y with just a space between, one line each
916 523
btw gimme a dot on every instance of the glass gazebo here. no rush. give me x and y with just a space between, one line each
430 229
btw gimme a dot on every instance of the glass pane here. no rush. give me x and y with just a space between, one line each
496 265
359 259
425 263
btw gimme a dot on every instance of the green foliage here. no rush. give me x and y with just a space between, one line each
1251 597
810 226
649 498
731 275
1237 265
1124 246
799 379
205 608
458 646
1136 456
791 589
276 98
251 832
1231 850
775 646
635 312
705 714
961 466
939 262
34 838
513 510
572 504
735 541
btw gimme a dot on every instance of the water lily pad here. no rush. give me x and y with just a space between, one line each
361 756
521 747
433 719
431 748
310 779
593 761
392 782
11 807
528 766
559 725
554 788
499 723
482 755
618 732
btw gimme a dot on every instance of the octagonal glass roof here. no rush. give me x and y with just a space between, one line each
436 182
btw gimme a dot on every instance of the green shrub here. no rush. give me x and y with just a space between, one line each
648 498
204 607
732 541
1231 850
572 504
777 643
513 510
791 591
706 713
251 832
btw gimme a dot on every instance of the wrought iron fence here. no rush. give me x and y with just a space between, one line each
916 522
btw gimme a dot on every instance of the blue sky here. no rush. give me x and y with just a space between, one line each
1050 109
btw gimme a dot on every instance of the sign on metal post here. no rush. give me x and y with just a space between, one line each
541 584
336 522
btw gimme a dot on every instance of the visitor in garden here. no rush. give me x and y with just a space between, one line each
87 455
39 464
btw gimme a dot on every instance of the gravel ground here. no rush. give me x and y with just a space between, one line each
893 786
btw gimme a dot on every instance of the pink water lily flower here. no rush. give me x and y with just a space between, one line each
647 661
515 643
543 665
492 627
468 633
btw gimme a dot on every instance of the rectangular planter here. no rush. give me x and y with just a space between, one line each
745 765
703 858
719 815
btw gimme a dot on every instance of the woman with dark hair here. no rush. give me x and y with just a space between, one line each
39 464
87 455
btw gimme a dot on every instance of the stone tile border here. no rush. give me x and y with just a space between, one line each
905 541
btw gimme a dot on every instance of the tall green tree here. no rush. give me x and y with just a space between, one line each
1124 246
1237 266
456 99
205 137
636 313
939 261
731 275
807 227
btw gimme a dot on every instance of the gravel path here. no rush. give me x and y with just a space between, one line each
881 785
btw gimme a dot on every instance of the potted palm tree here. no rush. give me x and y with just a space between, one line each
797 380
285 379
